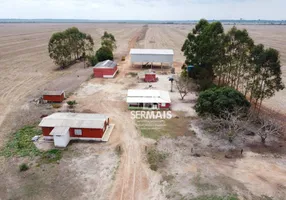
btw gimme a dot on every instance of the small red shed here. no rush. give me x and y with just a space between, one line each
150 76
105 69
63 127
54 96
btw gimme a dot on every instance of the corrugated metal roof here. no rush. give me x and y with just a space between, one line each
60 130
74 120
148 96
152 51
53 92
106 64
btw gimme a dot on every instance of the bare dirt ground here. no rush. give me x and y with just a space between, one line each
89 170
26 68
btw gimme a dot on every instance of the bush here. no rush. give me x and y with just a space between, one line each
92 60
23 167
51 156
104 53
155 158
71 103
215 101
56 105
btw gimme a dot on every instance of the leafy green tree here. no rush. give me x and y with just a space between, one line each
108 40
71 104
59 49
216 101
104 53
266 76
92 60
204 48
70 45
234 70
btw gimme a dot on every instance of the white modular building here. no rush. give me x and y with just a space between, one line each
148 99
151 56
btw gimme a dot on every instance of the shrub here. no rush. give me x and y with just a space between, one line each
52 155
118 150
155 158
23 167
104 53
133 74
56 105
215 101
92 60
71 103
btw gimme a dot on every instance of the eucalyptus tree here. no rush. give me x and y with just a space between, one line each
266 74
238 48
59 49
204 48
108 40
70 45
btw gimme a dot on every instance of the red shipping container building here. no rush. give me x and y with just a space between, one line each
54 96
63 127
105 69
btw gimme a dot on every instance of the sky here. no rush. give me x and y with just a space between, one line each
143 9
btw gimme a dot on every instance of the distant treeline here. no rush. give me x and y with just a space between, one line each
255 22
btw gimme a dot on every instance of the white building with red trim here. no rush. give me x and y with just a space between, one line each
148 99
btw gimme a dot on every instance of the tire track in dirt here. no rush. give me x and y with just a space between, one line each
23 49
130 184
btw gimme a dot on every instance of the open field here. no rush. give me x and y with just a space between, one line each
26 70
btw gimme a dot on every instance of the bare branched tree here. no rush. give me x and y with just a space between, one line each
268 127
184 85
229 124
264 125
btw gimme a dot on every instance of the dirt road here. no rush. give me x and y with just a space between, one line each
134 179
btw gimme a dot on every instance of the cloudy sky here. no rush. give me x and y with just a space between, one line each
144 9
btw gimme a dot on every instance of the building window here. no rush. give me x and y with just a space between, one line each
163 104
77 131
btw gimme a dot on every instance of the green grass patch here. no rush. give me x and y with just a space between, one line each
155 158
173 127
213 197
21 143
51 156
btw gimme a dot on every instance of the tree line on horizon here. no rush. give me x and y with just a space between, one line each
232 59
